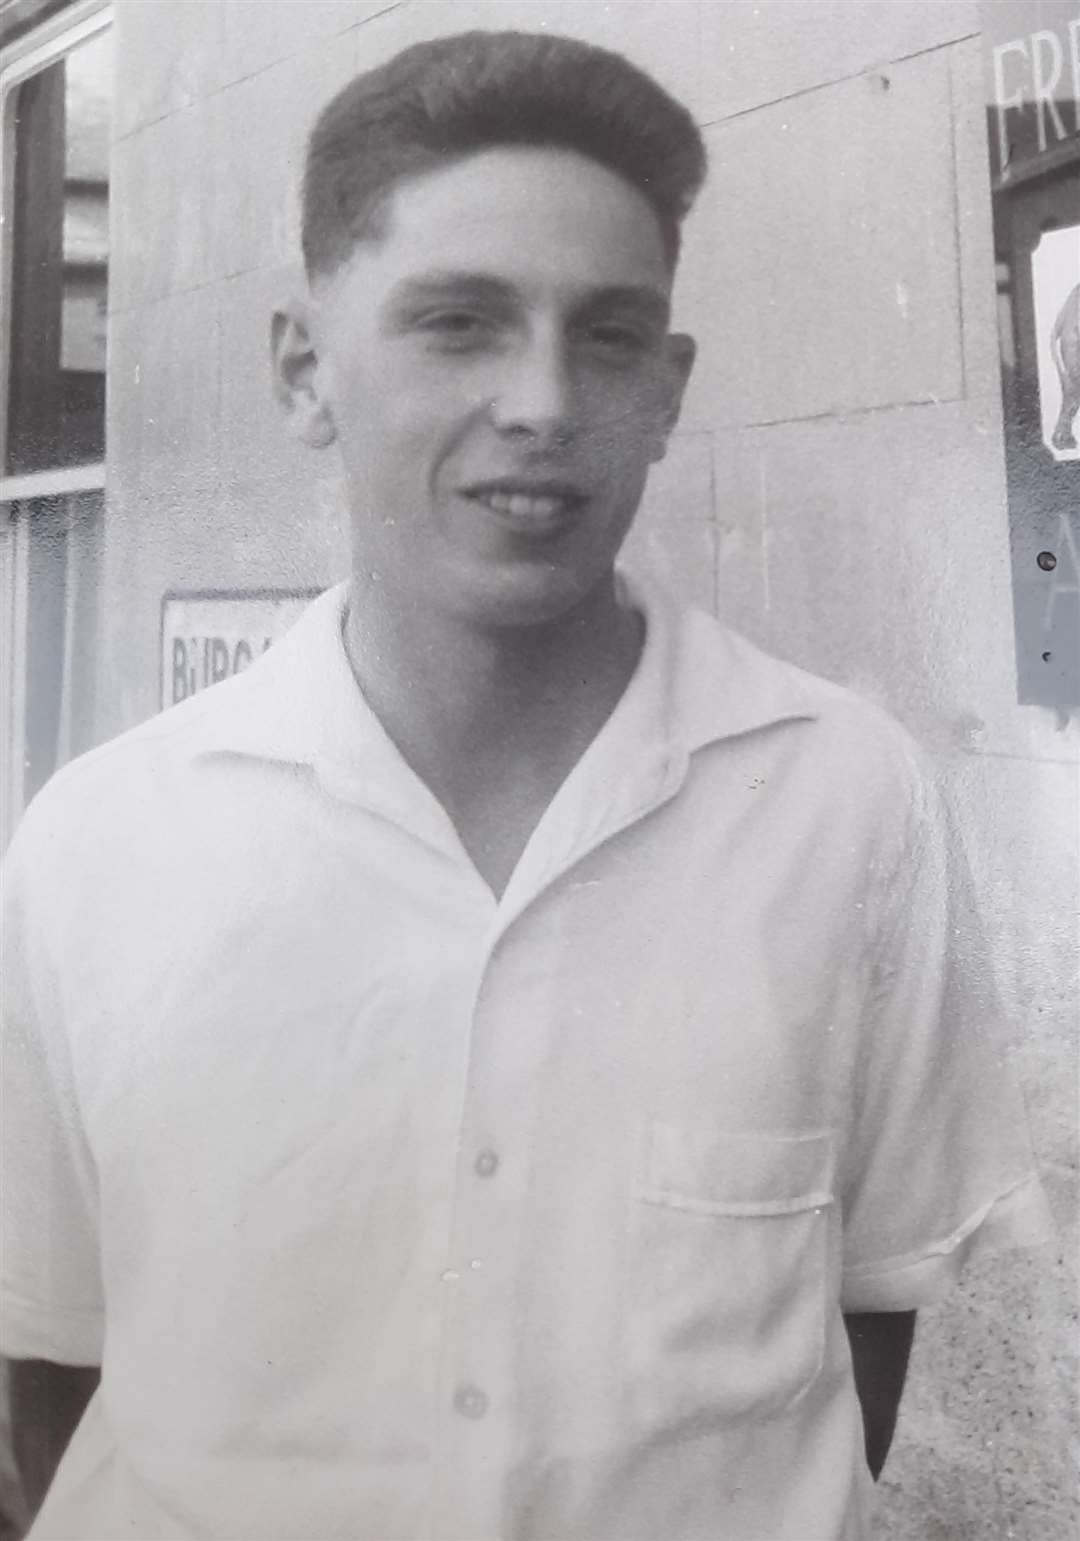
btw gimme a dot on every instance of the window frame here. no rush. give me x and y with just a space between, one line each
31 51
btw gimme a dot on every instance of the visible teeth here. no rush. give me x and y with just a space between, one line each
523 505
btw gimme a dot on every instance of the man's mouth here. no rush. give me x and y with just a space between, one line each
529 506
525 505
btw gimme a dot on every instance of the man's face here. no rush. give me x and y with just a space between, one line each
499 375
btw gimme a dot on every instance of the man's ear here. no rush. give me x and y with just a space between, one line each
295 365
680 351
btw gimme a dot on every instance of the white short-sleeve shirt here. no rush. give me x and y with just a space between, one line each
394 1211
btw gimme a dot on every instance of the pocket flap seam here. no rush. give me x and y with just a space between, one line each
665 1198
719 1173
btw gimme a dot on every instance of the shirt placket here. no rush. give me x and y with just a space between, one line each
477 1383
509 1042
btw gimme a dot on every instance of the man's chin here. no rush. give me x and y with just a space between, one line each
525 595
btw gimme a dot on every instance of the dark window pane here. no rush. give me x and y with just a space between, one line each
60 262
64 547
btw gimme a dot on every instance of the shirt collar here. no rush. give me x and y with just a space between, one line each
696 683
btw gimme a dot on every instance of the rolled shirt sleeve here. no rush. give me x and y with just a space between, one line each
939 1162
50 1291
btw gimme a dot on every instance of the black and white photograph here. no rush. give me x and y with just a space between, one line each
539 770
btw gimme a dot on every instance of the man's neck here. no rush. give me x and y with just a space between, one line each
493 720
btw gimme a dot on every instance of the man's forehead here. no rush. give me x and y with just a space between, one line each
527 216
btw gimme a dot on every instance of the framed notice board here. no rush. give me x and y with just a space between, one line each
209 634
1032 56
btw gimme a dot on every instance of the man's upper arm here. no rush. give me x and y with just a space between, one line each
50 1291
938 1158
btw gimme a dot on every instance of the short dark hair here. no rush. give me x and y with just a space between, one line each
439 101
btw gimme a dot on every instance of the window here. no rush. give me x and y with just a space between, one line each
55 111
1033 115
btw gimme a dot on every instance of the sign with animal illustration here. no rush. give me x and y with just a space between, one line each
1056 282
1032 57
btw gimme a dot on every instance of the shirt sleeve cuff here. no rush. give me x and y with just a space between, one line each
1019 1217
61 1336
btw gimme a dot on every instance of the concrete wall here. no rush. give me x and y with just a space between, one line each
836 490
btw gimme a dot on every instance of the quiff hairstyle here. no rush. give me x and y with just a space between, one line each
439 101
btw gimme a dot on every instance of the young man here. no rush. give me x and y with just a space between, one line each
463 1069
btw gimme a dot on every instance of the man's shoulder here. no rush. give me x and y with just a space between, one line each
134 779
115 771
827 762
270 708
736 685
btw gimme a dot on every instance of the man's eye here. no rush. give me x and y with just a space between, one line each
459 328
619 338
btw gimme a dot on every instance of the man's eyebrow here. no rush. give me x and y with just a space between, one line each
652 304
438 284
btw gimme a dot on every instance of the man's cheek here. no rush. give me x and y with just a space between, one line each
624 417
620 446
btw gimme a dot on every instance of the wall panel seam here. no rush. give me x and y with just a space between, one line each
264 69
837 80
958 264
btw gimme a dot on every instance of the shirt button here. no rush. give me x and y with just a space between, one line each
486 1164
470 1402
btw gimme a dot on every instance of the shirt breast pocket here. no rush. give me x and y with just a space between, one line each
728 1293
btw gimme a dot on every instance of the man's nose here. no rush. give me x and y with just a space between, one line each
536 394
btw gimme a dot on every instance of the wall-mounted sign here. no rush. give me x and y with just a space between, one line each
1032 54
1055 278
206 637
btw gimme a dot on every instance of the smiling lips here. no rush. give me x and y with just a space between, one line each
539 508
